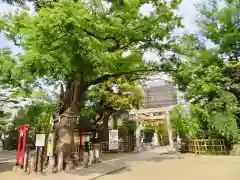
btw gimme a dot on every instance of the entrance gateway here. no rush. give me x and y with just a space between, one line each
152 116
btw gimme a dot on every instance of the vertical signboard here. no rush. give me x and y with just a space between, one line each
113 139
50 144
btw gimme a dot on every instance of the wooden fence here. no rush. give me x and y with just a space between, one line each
207 146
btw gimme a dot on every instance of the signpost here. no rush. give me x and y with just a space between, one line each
39 143
113 139
50 144
50 148
40 140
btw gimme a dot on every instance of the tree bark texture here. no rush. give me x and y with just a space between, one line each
70 107
105 135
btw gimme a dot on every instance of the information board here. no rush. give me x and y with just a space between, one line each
113 139
40 140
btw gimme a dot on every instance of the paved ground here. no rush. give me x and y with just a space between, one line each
93 171
7 156
145 165
182 167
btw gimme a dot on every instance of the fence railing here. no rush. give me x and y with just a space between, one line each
123 146
207 146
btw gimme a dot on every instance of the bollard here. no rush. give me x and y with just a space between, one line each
32 163
85 159
51 164
92 157
81 156
60 162
97 154
25 165
37 159
41 159
77 159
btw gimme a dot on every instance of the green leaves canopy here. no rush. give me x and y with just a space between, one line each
128 95
210 79
37 115
72 38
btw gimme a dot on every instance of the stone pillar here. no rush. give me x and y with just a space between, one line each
156 143
85 159
51 164
1 144
138 136
92 157
169 129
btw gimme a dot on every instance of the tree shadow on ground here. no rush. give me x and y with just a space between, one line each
99 169
165 157
113 167
6 167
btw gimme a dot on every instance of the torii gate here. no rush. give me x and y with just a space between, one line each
154 114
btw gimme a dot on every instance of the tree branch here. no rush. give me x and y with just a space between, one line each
98 37
99 118
118 74
6 100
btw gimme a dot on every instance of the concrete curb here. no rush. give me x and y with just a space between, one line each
112 171
7 161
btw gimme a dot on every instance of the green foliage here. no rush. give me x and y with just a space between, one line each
130 125
162 132
185 126
127 95
3 124
148 129
210 77
37 115
115 96
127 128
62 41
11 134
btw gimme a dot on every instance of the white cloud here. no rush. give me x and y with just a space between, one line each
5 8
189 14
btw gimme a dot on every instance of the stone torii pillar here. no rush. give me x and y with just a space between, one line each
169 129
138 136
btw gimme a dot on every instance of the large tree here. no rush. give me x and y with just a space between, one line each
211 76
79 44
113 98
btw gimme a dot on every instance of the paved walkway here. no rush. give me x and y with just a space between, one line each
96 170
107 167
181 167
7 156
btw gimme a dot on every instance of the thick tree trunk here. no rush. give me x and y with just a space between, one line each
69 111
115 122
105 135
